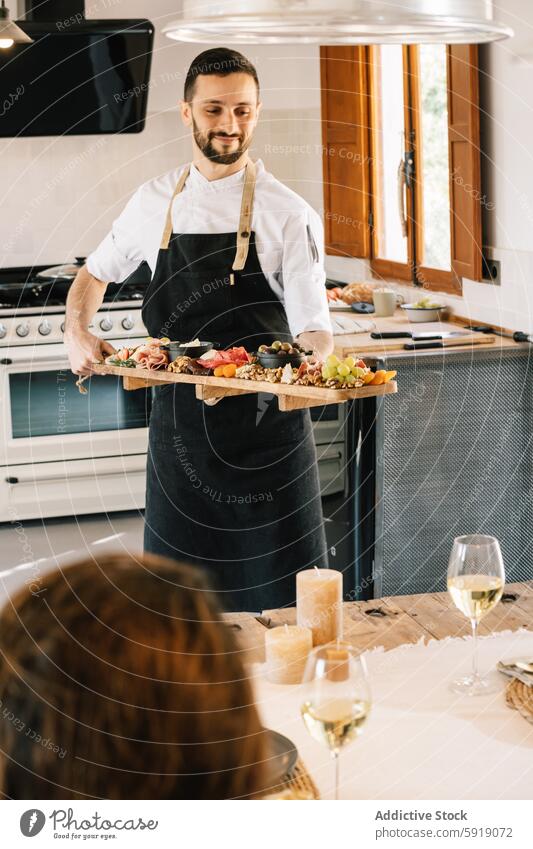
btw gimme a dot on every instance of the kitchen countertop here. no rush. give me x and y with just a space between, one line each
361 343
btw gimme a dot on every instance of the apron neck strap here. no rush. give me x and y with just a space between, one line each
167 232
245 218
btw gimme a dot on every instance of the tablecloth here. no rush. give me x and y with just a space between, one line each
421 741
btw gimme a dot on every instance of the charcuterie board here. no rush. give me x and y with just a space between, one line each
290 396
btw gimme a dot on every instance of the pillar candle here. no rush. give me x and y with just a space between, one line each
319 603
286 649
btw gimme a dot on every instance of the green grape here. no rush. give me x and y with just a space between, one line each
357 371
349 378
332 360
350 362
343 370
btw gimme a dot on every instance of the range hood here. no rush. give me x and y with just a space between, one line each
337 22
77 77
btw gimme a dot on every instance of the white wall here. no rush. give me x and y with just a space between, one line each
60 195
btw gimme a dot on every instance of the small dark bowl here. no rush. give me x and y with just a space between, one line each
363 308
275 361
175 350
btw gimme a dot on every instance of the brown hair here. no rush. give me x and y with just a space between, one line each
218 61
120 680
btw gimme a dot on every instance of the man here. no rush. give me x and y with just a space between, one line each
236 259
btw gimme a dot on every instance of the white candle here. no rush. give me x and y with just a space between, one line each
319 603
286 649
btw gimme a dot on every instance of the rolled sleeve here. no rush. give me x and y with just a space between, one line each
120 252
303 276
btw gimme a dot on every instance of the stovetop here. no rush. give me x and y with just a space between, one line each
38 293
35 314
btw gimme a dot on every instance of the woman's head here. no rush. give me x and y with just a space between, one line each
121 680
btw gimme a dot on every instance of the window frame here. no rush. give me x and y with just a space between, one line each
463 97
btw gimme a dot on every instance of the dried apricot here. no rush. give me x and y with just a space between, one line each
390 375
379 377
229 370
219 371
368 377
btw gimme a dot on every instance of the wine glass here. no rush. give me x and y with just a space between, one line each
337 697
475 582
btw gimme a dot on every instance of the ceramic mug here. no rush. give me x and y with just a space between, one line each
384 301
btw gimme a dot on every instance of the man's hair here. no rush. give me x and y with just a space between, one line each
219 61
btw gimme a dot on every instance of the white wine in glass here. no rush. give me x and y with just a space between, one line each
337 697
476 579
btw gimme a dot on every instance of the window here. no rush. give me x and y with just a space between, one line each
402 162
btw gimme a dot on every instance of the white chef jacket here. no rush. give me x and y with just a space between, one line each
288 234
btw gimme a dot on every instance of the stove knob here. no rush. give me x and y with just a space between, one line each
106 324
45 328
23 329
3 330
128 322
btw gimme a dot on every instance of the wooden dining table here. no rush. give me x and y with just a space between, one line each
421 740
394 620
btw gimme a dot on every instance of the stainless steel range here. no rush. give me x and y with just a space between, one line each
62 453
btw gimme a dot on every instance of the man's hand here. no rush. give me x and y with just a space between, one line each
320 342
84 350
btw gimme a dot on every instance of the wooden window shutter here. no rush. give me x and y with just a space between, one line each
346 162
465 160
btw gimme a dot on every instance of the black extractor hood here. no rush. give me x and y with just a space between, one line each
77 77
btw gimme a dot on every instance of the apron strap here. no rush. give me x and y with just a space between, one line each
245 219
167 232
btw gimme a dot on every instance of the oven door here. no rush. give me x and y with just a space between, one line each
46 418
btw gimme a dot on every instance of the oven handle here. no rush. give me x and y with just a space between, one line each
69 477
35 361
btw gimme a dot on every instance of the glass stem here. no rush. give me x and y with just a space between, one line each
475 674
336 759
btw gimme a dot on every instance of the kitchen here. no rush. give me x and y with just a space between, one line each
435 465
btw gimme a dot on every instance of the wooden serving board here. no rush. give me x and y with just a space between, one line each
290 397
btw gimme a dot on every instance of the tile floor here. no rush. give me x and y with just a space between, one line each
31 548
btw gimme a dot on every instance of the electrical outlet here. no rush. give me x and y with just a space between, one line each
492 272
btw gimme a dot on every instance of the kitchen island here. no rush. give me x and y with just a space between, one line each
450 454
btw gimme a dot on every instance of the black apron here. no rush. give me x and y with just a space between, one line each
232 487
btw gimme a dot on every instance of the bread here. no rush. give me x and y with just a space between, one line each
356 292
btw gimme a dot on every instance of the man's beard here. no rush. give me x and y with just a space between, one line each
204 142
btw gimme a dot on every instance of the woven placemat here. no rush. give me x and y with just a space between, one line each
520 697
297 785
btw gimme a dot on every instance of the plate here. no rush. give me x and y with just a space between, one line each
282 756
